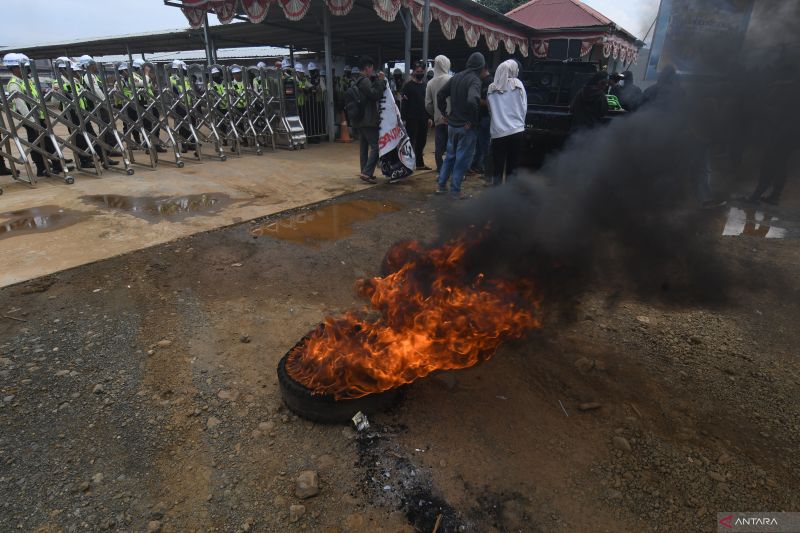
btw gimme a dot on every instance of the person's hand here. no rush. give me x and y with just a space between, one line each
444 120
430 123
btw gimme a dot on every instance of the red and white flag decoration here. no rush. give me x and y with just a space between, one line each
295 9
339 8
225 9
387 9
256 10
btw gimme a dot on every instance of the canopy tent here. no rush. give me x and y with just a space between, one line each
572 20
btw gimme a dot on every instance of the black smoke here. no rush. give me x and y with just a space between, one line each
619 208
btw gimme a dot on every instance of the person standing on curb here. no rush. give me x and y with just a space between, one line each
441 75
508 104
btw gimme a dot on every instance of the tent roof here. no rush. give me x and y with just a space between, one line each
360 32
562 15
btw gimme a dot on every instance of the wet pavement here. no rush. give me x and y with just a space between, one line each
37 220
332 222
155 208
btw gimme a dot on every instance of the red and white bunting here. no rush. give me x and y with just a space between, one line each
339 8
295 9
387 9
256 10
225 10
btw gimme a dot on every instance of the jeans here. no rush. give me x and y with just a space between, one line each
460 150
482 145
440 140
505 156
368 138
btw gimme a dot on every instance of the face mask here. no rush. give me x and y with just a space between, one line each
419 76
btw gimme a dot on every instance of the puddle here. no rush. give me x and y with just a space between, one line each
328 223
36 220
753 223
155 208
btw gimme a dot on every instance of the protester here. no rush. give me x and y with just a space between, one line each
371 89
667 92
508 103
628 94
590 104
464 90
414 114
478 165
441 75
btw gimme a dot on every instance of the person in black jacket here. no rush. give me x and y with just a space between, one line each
463 120
412 110
590 104
629 95
372 88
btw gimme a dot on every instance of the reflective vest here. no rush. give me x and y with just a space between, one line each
238 88
138 79
302 88
67 86
175 82
31 90
219 88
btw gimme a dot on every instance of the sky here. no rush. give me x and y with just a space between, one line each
80 19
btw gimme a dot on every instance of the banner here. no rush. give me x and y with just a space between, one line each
394 146
698 37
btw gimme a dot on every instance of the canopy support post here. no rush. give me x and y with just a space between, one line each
407 57
426 22
329 81
291 55
207 39
130 56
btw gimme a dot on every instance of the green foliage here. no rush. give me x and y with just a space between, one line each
502 6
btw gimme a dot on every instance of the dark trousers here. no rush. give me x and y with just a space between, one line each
108 137
368 139
482 146
505 156
133 115
774 171
152 127
440 145
80 139
417 129
47 144
184 131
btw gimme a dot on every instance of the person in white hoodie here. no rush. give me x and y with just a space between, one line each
508 105
441 75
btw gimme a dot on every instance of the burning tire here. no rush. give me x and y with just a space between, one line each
324 407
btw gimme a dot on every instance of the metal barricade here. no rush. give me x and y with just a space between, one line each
154 118
98 113
310 98
218 100
202 112
288 126
8 137
39 144
264 105
126 110
176 103
240 98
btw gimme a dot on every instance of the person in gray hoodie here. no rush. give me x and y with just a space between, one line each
441 75
463 119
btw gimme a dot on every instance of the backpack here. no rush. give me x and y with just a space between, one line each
354 105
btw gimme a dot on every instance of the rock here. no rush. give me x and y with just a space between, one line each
266 427
98 389
213 422
248 524
245 339
355 522
9 398
61 373
643 319
164 343
295 512
154 526
621 443
589 406
84 486
695 340
97 478
151 352
306 485
584 365
228 395
716 476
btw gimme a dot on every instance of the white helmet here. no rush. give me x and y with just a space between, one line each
77 67
355 70
179 64
235 69
62 62
12 59
215 70
122 66
348 68
285 63
261 64
137 63
312 66
85 59
298 67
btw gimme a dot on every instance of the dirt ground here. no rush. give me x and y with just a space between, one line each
139 393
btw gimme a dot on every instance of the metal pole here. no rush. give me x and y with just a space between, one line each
329 81
130 57
291 56
407 20
426 21
207 39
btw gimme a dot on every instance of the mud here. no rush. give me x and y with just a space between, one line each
156 208
37 220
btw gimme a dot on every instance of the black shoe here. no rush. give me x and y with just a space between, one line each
41 173
68 161
111 162
160 149
5 172
87 164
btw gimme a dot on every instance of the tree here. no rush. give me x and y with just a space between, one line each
501 6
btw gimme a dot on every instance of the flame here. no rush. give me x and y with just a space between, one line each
427 314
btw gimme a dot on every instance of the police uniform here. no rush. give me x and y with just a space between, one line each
183 90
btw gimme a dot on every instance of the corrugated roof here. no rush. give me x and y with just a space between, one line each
550 14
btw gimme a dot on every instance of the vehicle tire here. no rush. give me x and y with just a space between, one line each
324 408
